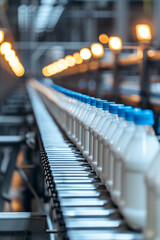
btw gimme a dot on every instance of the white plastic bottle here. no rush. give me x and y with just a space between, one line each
71 103
87 101
82 106
152 230
113 109
77 110
107 119
96 130
119 151
74 105
139 153
112 141
85 127
99 113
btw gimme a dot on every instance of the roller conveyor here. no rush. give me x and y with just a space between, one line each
81 206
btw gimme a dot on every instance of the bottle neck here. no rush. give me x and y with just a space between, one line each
144 129
99 110
93 108
121 122
106 113
121 119
114 117
130 124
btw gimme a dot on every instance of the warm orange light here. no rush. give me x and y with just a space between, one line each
1 36
10 55
70 61
51 69
15 64
19 70
12 59
5 47
85 54
77 57
103 38
62 64
143 32
44 72
115 43
97 50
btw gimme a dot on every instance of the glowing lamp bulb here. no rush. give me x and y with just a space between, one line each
10 55
115 43
5 47
97 50
85 54
143 32
62 64
1 36
70 60
77 58
103 38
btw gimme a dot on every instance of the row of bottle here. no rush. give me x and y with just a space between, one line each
120 144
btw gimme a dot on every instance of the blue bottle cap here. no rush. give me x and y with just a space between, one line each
77 96
121 110
113 108
83 98
99 103
144 117
93 101
71 94
106 105
80 97
129 114
74 95
87 100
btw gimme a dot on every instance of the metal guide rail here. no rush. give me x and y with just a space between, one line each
81 206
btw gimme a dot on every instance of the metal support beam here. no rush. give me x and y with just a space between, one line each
144 68
47 45
91 14
116 77
90 25
22 221
156 11
121 21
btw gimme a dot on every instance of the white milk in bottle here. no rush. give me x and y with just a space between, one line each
85 127
119 150
99 113
107 119
139 153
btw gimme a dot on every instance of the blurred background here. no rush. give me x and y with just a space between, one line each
42 32
104 48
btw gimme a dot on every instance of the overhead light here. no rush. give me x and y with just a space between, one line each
77 57
51 69
12 59
55 15
1 36
62 64
43 17
115 43
103 38
70 61
97 50
9 55
85 54
143 32
5 47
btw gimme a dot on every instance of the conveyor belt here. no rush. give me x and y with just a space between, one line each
81 206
